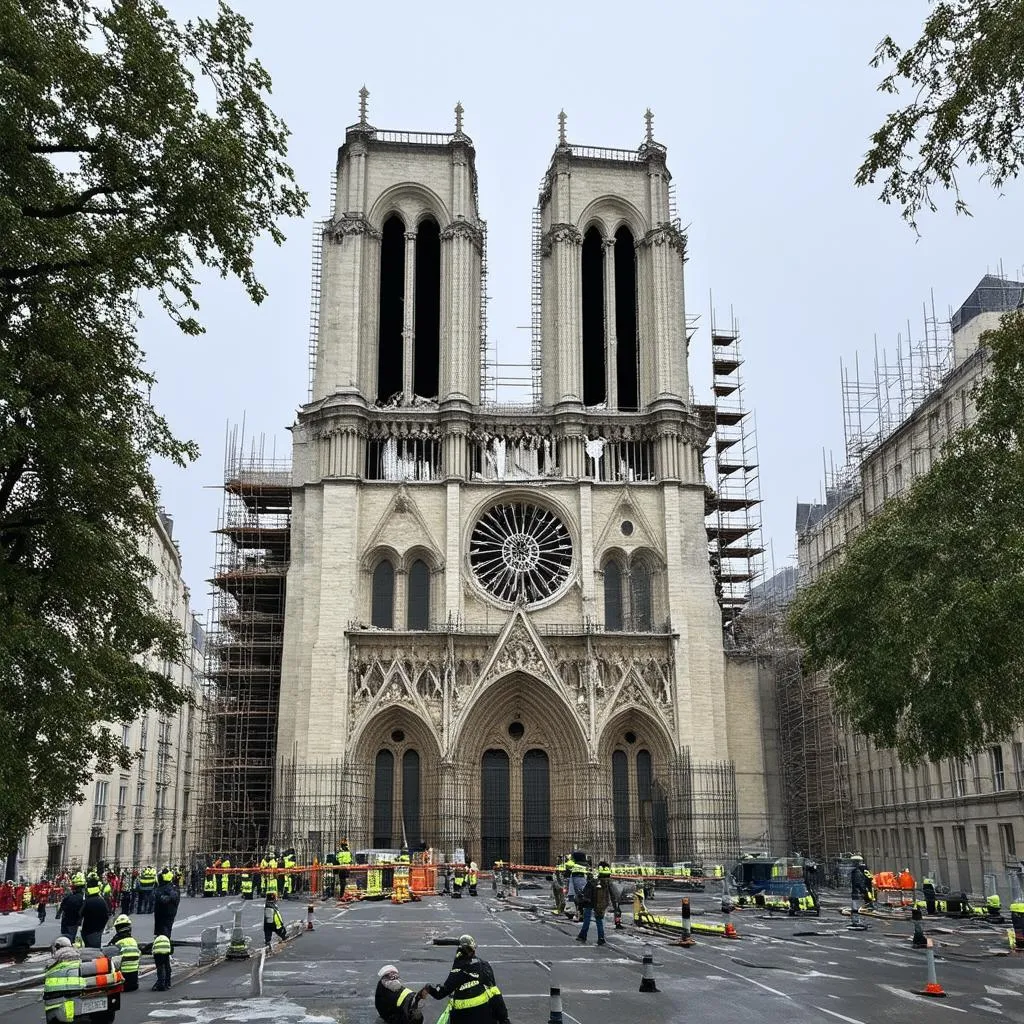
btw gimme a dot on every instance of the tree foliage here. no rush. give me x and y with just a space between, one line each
133 151
921 625
965 77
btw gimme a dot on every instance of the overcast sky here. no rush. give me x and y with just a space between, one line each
765 108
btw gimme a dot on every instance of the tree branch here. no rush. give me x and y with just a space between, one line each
67 209
63 147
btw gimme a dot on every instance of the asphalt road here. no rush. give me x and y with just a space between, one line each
775 972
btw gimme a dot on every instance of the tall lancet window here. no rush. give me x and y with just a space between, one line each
390 310
627 362
594 386
427 350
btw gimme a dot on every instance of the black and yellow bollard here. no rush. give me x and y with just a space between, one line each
686 938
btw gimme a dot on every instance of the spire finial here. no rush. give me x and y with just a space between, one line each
561 128
364 95
649 118
459 111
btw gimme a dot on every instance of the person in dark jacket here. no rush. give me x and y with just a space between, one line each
476 998
395 1003
166 897
860 886
95 914
70 909
594 902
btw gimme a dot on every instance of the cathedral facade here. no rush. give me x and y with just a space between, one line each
501 630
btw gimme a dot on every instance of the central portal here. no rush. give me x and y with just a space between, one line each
530 758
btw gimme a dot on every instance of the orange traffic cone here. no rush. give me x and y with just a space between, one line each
730 931
933 988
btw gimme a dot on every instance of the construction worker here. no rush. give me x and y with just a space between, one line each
270 883
471 877
162 949
147 886
225 878
344 861
576 863
475 996
859 889
288 861
459 881
95 914
165 903
245 885
928 888
595 902
128 948
396 1004
557 887
63 981
272 919
70 909
604 873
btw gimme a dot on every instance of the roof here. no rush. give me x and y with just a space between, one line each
991 295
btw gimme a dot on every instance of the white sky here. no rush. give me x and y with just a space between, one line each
765 109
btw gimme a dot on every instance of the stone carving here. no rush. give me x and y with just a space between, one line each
560 233
666 234
350 224
462 228
518 654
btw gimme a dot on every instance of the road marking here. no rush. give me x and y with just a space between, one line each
840 1016
718 967
915 998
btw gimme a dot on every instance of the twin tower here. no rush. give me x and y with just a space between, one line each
501 631
403 261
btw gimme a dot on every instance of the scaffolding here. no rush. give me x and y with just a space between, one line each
878 401
733 518
243 655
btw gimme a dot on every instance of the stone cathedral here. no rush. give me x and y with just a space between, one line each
501 630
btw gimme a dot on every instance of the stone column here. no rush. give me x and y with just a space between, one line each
461 248
610 345
409 313
566 243
666 247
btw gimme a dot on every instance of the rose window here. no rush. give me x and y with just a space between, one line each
520 551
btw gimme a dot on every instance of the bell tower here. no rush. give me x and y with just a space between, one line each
400 306
614 321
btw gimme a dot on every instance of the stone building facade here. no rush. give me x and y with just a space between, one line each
959 820
501 631
140 816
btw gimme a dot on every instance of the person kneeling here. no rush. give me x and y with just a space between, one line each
395 1003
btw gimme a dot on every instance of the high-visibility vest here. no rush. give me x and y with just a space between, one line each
246 885
129 954
63 981
161 946
272 916
270 884
344 857
210 883
225 863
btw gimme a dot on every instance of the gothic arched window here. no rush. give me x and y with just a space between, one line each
612 595
391 305
620 802
495 804
417 612
626 356
382 605
411 797
536 807
383 798
593 317
640 601
427 347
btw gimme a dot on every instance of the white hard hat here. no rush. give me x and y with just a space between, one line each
386 970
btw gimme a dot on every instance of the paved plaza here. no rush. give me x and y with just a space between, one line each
781 969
